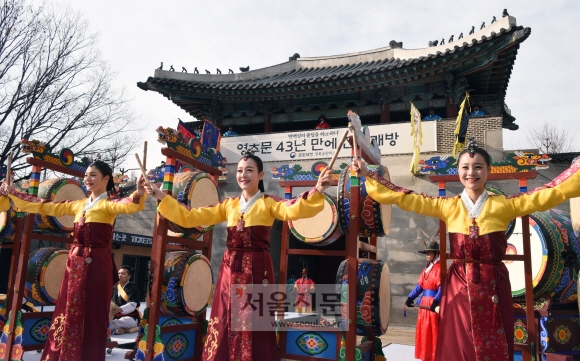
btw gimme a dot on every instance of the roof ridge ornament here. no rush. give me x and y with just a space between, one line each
294 57
396 45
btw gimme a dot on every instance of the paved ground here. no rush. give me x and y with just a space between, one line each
398 345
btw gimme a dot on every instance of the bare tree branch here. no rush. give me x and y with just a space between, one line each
55 87
550 139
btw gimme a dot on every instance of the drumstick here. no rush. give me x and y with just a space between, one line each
353 130
145 155
141 166
338 149
427 308
9 168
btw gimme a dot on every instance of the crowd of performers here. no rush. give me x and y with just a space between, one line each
475 319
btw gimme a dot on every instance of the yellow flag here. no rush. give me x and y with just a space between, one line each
417 134
458 146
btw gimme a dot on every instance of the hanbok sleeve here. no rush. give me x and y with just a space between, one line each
563 187
306 205
385 192
27 203
132 204
177 213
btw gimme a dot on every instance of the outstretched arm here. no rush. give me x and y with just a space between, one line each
385 192
563 187
177 213
306 205
27 203
132 204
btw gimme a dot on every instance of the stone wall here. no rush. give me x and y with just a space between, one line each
478 129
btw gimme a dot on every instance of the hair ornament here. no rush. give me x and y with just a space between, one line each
247 153
472 147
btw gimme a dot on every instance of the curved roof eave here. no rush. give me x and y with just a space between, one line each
358 60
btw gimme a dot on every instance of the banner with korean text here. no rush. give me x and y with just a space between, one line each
391 138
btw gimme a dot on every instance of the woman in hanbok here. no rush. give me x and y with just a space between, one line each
429 287
476 312
81 315
247 259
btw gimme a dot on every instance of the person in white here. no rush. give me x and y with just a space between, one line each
124 303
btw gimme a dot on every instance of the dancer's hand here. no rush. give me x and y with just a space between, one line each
141 185
358 165
153 190
324 180
6 187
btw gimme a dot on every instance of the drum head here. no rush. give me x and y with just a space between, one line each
54 273
385 297
197 283
575 215
386 212
545 256
72 192
319 227
203 194
4 216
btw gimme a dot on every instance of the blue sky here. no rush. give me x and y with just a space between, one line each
135 36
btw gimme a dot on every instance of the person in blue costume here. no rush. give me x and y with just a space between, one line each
432 115
477 112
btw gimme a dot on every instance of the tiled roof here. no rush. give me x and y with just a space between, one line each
486 58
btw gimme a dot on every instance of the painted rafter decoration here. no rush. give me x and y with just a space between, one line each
515 163
65 158
295 172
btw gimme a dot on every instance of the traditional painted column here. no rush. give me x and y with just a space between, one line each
268 123
384 100
451 108
385 113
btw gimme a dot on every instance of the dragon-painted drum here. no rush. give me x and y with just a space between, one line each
58 190
46 267
548 253
567 288
374 218
194 189
7 223
187 284
373 296
320 230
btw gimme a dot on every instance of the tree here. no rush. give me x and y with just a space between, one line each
550 139
55 87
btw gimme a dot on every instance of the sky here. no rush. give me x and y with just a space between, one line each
136 36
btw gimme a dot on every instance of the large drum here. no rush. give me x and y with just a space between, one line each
373 296
7 223
554 254
187 284
374 218
194 189
567 288
58 190
320 230
46 267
